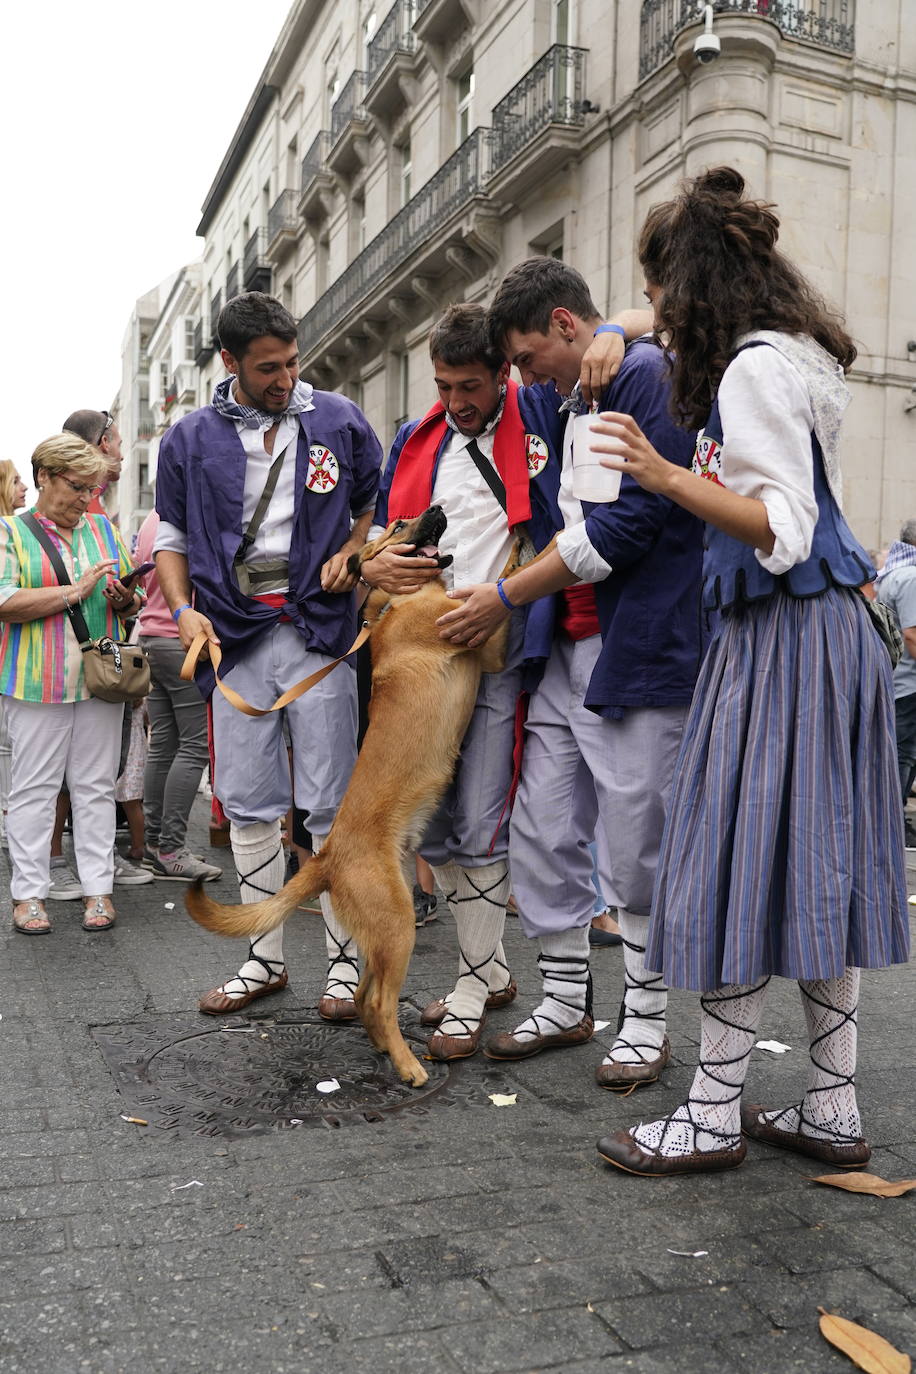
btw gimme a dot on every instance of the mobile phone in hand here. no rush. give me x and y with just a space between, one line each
130 578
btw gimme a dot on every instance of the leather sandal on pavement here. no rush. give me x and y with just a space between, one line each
219 1003
848 1154
624 1077
506 1045
30 917
336 1008
99 914
434 1012
620 1149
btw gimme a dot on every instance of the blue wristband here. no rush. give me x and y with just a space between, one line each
178 610
611 329
502 595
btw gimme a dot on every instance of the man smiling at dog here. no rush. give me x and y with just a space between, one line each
485 453
604 724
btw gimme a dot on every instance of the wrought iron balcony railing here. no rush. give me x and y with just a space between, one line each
829 23
394 35
348 105
457 180
282 217
255 266
232 281
315 160
550 93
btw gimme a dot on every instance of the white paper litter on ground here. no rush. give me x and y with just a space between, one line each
601 1025
687 1254
774 1046
328 1085
503 1099
170 906
195 1183
239 1030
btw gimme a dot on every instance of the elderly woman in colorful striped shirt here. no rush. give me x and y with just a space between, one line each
58 731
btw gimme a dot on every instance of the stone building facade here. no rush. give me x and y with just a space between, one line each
395 157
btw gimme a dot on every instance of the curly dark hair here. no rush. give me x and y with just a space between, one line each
251 316
713 255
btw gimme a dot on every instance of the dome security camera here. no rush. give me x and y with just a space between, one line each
707 46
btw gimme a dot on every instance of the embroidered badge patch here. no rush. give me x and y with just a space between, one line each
707 459
324 469
536 454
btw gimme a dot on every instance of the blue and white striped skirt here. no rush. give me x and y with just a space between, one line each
783 848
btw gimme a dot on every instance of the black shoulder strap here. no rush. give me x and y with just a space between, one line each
77 619
250 533
488 473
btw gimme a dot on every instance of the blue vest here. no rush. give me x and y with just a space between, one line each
732 574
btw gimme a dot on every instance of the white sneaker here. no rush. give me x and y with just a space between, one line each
185 867
65 885
126 875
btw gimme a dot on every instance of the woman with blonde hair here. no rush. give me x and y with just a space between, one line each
58 731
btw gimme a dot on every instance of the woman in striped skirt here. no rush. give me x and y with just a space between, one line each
783 850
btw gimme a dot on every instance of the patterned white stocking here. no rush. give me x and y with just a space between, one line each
828 1110
710 1119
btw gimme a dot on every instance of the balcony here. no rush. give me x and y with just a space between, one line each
232 283
349 143
146 423
442 228
316 187
184 384
826 23
535 126
391 61
204 343
439 21
283 225
256 271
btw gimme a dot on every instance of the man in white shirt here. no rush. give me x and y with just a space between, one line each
484 454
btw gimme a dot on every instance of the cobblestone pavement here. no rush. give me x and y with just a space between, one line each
449 1237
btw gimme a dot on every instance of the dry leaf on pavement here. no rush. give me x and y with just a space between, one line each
873 1184
866 1350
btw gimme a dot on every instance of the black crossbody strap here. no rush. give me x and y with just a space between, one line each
77 619
250 533
488 473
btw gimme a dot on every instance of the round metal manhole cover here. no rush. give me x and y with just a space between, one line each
258 1076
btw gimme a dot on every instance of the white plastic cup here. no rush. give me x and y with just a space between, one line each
591 481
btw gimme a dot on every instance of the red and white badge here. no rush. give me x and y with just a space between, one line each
536 454
324 469
707 459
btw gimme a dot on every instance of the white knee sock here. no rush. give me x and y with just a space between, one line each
447 883
828 1110
261 867
477 897
563 962
645 999
710 1119
343 956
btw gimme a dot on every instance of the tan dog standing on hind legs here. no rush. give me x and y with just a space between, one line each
423 693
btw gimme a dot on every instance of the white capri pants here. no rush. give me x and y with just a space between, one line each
79 741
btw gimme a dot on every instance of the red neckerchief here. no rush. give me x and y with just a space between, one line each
412 487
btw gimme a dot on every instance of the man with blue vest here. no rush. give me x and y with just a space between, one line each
485 453
262 496
621 650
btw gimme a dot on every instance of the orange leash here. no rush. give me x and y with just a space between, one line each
238 701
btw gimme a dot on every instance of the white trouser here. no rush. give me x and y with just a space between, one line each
79 741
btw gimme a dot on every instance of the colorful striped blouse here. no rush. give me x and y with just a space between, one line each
40 660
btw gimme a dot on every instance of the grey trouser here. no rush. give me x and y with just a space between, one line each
585 776
252 776
467 829
178 750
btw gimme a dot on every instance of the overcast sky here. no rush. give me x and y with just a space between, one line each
114 117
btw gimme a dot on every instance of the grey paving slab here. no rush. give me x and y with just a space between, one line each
453 1237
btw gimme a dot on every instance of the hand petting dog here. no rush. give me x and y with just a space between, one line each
481 615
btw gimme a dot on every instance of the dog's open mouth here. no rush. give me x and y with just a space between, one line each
430 528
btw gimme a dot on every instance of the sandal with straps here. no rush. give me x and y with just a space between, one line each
98 907
34 910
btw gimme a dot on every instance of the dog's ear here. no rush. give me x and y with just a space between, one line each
363 555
